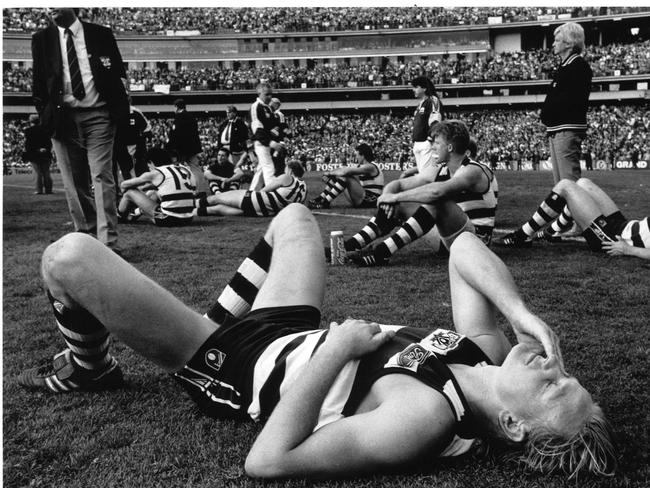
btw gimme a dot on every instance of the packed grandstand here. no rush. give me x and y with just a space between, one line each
509 136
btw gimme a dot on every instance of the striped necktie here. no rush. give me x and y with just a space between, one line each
75 74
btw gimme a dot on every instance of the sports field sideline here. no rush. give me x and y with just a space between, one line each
150 434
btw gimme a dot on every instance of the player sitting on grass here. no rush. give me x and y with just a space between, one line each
605 227
361 183
356 398
286 187
165 194
455 176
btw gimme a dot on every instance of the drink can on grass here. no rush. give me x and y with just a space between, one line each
337 246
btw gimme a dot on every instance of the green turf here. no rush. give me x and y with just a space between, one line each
150 434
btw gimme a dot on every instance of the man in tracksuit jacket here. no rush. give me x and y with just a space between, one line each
564 112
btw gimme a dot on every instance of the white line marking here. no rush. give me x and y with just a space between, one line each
28 187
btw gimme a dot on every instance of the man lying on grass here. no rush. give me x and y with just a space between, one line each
356 398
604 226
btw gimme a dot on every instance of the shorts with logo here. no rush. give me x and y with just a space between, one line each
219 377
604 230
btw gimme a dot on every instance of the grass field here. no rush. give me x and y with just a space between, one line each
150 434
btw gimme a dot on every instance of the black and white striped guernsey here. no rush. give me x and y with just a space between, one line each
419 353
637 233
176 191
373 184
268 203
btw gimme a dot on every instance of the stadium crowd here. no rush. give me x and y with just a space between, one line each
505 137
624 59
160 20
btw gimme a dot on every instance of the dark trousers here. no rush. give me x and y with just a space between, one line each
41 169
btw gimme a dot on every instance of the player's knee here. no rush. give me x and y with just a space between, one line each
295 221
564 186
463 245
65 258
584 183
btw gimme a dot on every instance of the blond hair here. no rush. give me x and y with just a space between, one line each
573 34
590 449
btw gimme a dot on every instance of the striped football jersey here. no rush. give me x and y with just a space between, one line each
268 203
420 353
176 191
637 233
373 184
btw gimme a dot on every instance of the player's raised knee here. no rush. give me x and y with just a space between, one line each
464 243
584 182
68 254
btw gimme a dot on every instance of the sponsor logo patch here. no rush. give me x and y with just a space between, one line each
215 358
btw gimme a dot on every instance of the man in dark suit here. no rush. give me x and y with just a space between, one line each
233 135
79 90
38 152
184 139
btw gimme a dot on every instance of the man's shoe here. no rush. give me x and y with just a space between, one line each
514 240
61 375
548 235
318 203
367 259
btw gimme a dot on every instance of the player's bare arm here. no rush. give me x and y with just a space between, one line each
466 179
148 178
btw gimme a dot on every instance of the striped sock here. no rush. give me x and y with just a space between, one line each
547 211
421 222
376 227
563 222
86 337
238 296
335 186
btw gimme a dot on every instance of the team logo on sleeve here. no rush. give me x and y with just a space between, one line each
215 358
441 341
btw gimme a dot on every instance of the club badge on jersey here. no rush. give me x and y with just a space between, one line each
439 343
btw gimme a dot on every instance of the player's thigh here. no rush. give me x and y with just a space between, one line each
142 201
297 272
80 271
602 199
356 192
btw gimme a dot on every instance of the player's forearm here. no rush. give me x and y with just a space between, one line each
639 252
423 194
296 414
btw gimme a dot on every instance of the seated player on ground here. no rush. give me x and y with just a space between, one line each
285 188
357 398
455 176
221 173
604 226
361 183
165 194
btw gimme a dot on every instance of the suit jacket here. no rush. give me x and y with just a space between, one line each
35 141
105 63
238 135
184 136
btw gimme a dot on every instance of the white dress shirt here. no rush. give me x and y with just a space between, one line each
92 95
